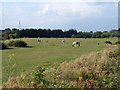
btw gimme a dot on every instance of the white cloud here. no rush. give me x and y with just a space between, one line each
53 8
55 13
85 9
45 9
81 9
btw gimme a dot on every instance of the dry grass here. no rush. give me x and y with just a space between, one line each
92 70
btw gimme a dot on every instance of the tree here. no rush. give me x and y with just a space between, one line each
6 36
70 32
87 35
8 29
56 33
97 34
80 35
91 32
105 34
113 33
73 36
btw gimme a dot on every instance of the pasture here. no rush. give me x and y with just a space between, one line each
49 51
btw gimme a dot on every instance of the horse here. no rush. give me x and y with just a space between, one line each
63 41
77 43
108 42
39 40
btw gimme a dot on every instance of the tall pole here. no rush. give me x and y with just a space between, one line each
19 25
19 28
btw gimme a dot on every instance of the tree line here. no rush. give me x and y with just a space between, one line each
56 33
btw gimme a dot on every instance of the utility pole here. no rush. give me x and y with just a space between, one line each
19 26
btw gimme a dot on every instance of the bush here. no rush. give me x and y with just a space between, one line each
33 79
118 42
94 70
38 74
20 44
2 46
11 43
17 43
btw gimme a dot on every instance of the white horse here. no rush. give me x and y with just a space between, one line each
76 43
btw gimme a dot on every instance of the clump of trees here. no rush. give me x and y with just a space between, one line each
10 33
13 43
56 33
17 43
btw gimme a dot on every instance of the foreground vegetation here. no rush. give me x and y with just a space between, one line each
94 70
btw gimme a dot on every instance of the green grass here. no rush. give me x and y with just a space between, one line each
49 52
0 68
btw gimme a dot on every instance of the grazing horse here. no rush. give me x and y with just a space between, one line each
76 43
39 40
63 41
108 42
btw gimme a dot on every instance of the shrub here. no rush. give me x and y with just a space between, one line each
118 42
2 46
20 44
33 79
94 70
21 81
17 43
11 43
38 74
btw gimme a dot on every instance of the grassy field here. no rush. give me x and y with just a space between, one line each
0 68
47 52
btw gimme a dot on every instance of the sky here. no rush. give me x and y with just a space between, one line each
63 14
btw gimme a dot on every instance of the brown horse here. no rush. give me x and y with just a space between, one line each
108 42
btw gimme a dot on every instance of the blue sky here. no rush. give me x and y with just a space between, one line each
83 16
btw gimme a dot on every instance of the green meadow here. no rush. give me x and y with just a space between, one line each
49 51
